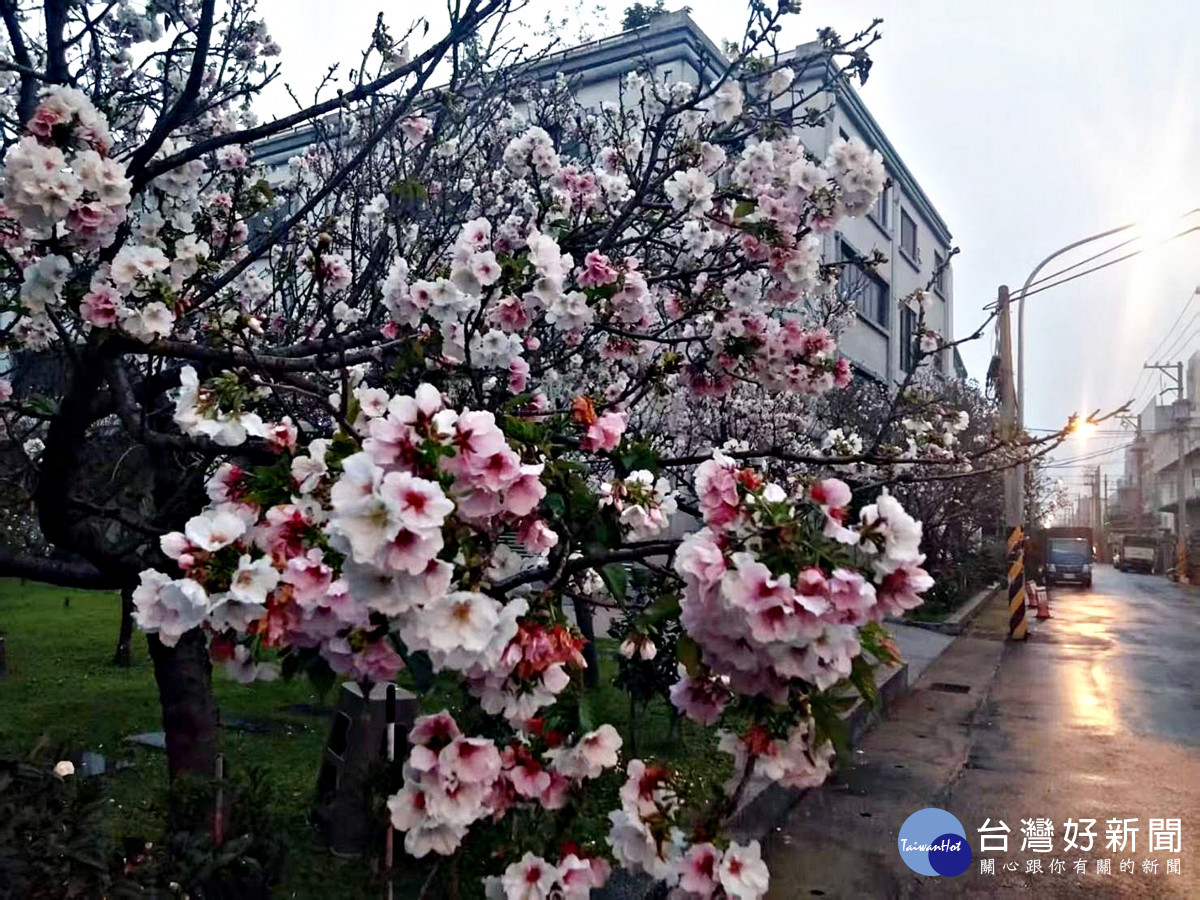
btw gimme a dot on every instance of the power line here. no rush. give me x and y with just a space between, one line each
1084 262
1178 319
1075 462
1172 330
1113 262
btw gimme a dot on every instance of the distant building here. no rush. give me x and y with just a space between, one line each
904 225
1147 496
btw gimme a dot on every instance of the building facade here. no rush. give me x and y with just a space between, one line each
904 225
1166 441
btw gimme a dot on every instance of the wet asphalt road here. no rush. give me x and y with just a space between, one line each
1096 716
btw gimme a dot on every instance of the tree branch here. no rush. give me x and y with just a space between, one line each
54 571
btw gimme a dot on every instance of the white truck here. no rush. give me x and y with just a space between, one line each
1137 553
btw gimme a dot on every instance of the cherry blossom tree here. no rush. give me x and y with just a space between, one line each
474 353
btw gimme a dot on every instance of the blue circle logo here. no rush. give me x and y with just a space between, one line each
933 842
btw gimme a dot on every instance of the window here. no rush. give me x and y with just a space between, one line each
867 291
908 236
882 210
908 334
939 273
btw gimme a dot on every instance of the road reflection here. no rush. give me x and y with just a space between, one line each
1086 677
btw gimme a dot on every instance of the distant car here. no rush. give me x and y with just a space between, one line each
1137 553
1070 561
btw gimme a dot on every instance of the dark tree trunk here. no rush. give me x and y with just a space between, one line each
583 617
123 657
189 709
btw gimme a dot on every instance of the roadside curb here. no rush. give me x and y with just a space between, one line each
956 623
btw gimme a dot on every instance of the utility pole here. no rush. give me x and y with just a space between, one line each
1014 511
1180 413
1139 452
1105 549
1181 491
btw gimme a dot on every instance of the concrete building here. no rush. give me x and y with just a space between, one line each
904 225
1167 437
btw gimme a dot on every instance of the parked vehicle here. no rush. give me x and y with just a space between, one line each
1137 553
1067 554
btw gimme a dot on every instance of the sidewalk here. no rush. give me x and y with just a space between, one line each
840 840
918 647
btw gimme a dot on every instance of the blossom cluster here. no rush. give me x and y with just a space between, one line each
59 180
645 836
452 781
643 503
779 619
358 542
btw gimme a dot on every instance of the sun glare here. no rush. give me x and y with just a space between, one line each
1160 226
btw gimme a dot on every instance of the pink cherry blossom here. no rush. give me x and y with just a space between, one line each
518 375
309 577
524 494
420 504
698 870
435 730
470 760
411 550
702 700
742 872
597 270
579 877
536 536
604 435
716 488
530 879
753 588
851 597
900 590
831 493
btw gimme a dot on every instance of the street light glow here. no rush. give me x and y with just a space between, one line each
1159 226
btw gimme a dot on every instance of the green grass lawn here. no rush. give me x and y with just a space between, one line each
61 683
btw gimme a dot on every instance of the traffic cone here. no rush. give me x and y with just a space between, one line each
1043 603
1031 592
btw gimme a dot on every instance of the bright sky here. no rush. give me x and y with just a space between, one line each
1030 124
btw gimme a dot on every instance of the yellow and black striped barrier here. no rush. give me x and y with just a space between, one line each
1016 584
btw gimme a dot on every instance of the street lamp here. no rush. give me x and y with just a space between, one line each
1157 230
1014 494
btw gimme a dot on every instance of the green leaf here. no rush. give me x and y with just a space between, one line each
555 504
862 676
830 726
639 456
320 676
743 209
667 607
587 713
876 641
410 190
616 579
421 668
607 531
687 652
522 430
